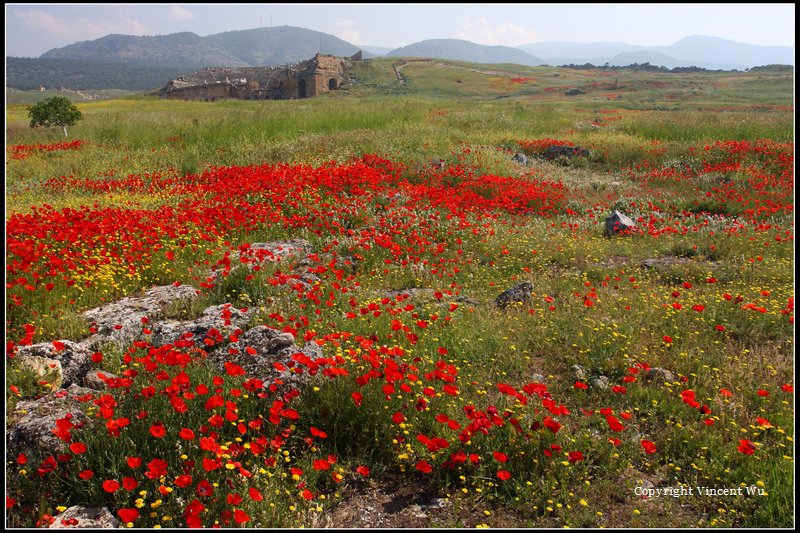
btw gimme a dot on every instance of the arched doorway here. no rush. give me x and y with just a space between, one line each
301 89
332 85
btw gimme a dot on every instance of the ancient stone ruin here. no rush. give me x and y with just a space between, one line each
313 77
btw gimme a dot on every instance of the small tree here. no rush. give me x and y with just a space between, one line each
55 111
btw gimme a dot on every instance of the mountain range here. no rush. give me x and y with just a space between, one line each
186 52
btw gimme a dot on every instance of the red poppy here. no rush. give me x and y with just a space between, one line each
667 339
501 457
551 424
614 424
129 483
363 470
255 494
111 485
204 488
504 475
357 397
158 430
649 446
318 433
746 447
86 474
581 385
156 468
307 494
183 481
321 464
186 434
424 467
575 457
240 517
134 462
128 514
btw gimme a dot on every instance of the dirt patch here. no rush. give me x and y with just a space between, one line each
400 504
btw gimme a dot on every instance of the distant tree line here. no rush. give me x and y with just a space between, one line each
79 74
647 67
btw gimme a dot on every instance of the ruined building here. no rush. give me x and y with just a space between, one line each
313 77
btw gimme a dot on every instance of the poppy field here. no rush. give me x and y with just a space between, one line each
645 380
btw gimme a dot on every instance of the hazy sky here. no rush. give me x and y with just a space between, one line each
32 29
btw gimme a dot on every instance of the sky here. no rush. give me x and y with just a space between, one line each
32 29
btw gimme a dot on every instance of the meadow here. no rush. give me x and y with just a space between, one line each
659 359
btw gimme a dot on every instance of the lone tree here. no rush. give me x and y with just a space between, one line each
55 111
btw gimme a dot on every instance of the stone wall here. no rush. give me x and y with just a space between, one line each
314 77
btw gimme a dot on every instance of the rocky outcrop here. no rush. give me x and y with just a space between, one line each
221 319
69 359
266 353
121 321
520 158
518 294
31 425
556 150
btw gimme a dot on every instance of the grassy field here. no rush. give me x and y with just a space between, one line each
661 359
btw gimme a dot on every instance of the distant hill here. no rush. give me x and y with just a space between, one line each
280 45
185 50
259 47
715 50
696 50
83 74
455 49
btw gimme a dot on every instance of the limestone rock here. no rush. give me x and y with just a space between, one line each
44 367
599 382
561 151
121 321
659 374
579 373
258 350
95 382
86 517
618 223
223 318
518 294
30 425
73 357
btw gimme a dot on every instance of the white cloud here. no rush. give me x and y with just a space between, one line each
346 29
78 28
508 34
179 13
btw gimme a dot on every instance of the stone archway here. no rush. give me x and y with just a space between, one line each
332 84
